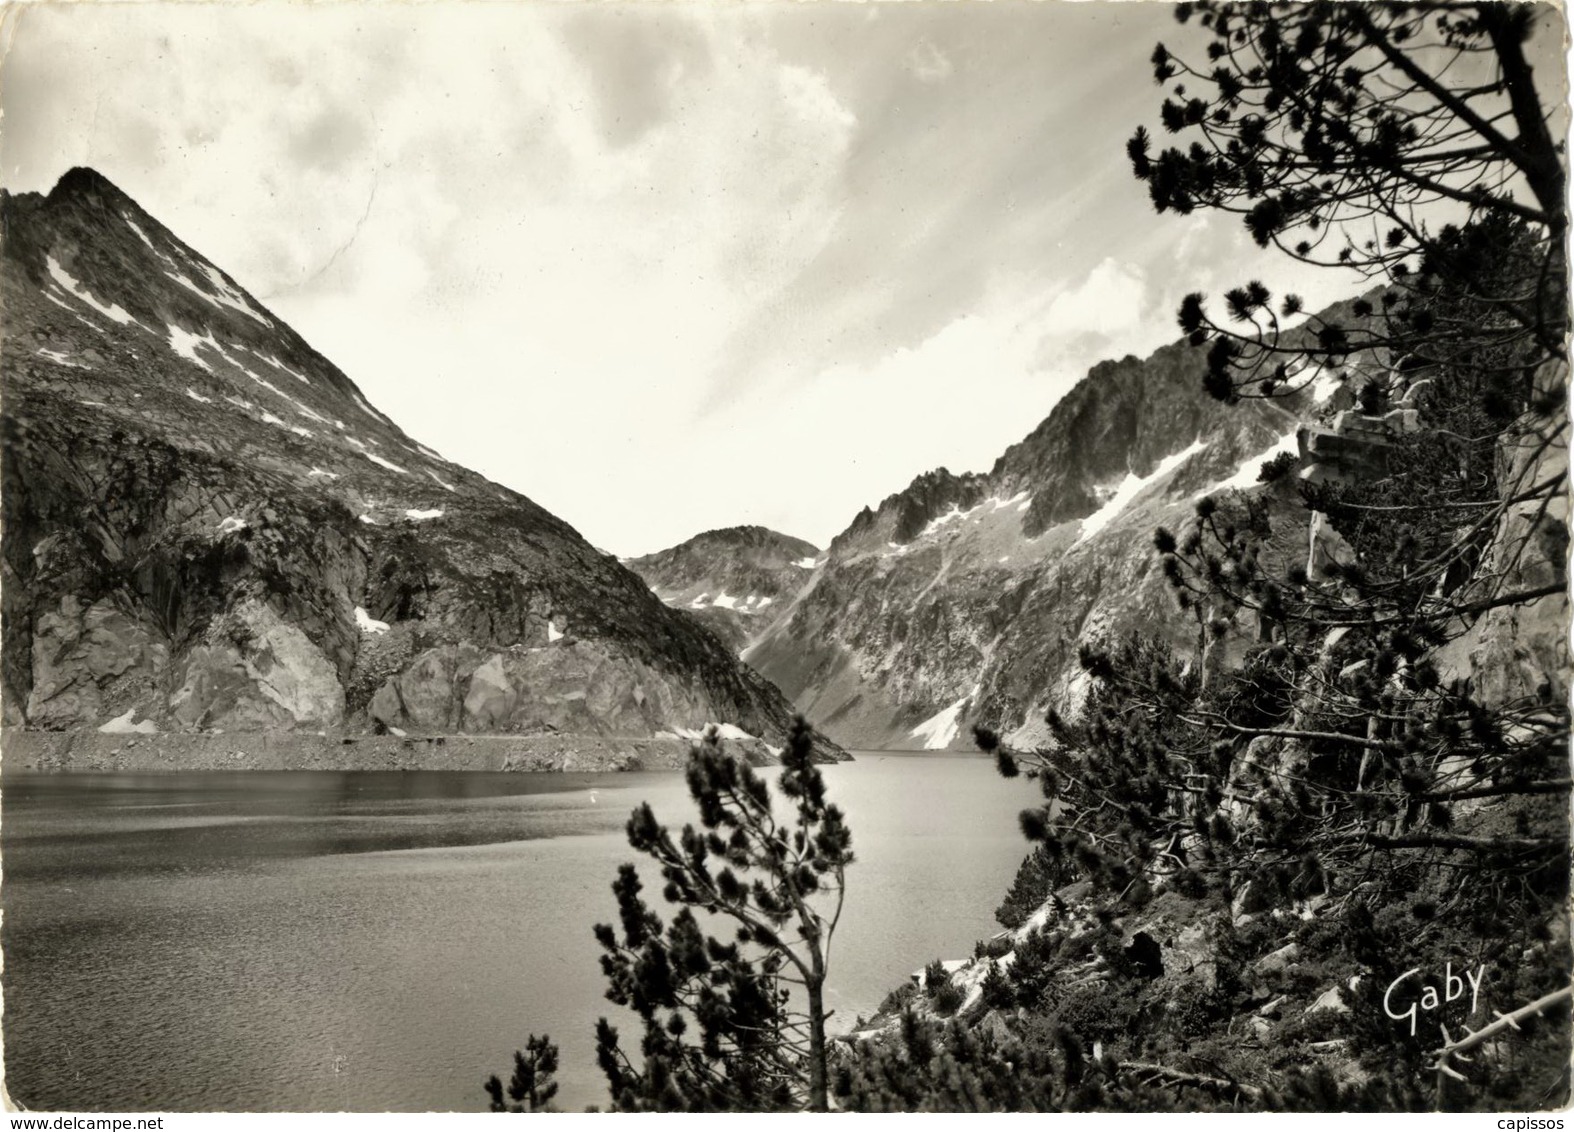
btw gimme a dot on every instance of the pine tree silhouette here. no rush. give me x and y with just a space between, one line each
721 1029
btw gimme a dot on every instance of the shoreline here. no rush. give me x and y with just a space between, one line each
283 750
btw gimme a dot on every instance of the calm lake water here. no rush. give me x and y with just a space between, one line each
384 941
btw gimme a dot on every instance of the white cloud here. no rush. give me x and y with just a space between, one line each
1112 300
928 63
443 197
808 95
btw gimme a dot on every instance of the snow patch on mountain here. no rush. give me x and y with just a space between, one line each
1131 487
185 344
361 446
269 418
937 732
195 396
114 312
368 623
122 725
255 378
1246 475
389 464
976 514
1326 385
723 731
941 520
177 278
61 359
231 524
805 563
280 366
365 408
141 235
219 293
420 516
441 482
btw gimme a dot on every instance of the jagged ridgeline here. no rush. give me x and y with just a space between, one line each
209 529
962 600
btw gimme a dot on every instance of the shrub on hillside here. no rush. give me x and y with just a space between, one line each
948 998
1276 469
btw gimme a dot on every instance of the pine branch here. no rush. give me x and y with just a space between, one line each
1446 98
1470 844
1153 1073
1555 786
1509 1021
1289 733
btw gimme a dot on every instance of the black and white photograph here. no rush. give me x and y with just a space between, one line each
829 557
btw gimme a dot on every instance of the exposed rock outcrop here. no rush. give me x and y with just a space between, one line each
963 599
1522 650
89 661
255 672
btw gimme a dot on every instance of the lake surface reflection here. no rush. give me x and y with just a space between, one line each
383 941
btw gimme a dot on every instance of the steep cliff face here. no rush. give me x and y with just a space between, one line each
1521 652
962 599
207 526
733 581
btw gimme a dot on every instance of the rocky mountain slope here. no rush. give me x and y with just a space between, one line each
962 599
733 580
209 528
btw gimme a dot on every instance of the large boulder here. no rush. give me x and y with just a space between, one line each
256 672
428 695
491 701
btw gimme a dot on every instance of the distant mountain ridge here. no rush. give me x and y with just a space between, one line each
208 527
732 580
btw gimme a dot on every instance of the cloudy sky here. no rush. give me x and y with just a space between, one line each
661 268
